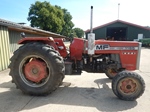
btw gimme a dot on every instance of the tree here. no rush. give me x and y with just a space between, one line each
79 32
68 24
45 16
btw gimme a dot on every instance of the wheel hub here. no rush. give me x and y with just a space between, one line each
128 86
35 70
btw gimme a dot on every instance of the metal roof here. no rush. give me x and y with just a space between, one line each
19 27
124 22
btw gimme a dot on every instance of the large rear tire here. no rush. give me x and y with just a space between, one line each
128 85
37 69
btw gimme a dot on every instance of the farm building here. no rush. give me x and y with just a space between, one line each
120 30
9 36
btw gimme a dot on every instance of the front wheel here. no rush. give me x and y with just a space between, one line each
128 85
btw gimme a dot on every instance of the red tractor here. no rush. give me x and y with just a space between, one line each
39 65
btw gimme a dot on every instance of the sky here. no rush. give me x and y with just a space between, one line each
104 11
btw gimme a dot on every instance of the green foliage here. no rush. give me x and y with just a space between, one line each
78 32
53 18
68 25
145 41
47 17
50 18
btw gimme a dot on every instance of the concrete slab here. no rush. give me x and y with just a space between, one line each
90 92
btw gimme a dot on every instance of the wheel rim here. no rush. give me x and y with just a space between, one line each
34 71
128 86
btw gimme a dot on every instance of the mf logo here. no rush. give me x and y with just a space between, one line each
102 47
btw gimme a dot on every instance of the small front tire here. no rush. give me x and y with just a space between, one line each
128 85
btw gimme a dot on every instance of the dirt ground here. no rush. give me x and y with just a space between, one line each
88 92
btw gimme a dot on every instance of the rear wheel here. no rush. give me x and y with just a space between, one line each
128 85
37 69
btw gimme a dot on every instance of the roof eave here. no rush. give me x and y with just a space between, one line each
124 22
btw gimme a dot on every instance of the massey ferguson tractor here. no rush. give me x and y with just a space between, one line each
38 67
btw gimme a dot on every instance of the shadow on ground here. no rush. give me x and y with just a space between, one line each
101 98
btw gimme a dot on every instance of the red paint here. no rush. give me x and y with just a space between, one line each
76 49
60 44
117 43
35 70
35 39
56 43
128 86
128 61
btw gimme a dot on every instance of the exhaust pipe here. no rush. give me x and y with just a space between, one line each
91 25
91 37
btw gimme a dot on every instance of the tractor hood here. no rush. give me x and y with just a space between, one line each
115 45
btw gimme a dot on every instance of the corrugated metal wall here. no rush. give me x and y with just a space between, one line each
14 37
8 44
4 48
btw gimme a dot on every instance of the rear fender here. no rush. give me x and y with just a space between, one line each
45 40
56 43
